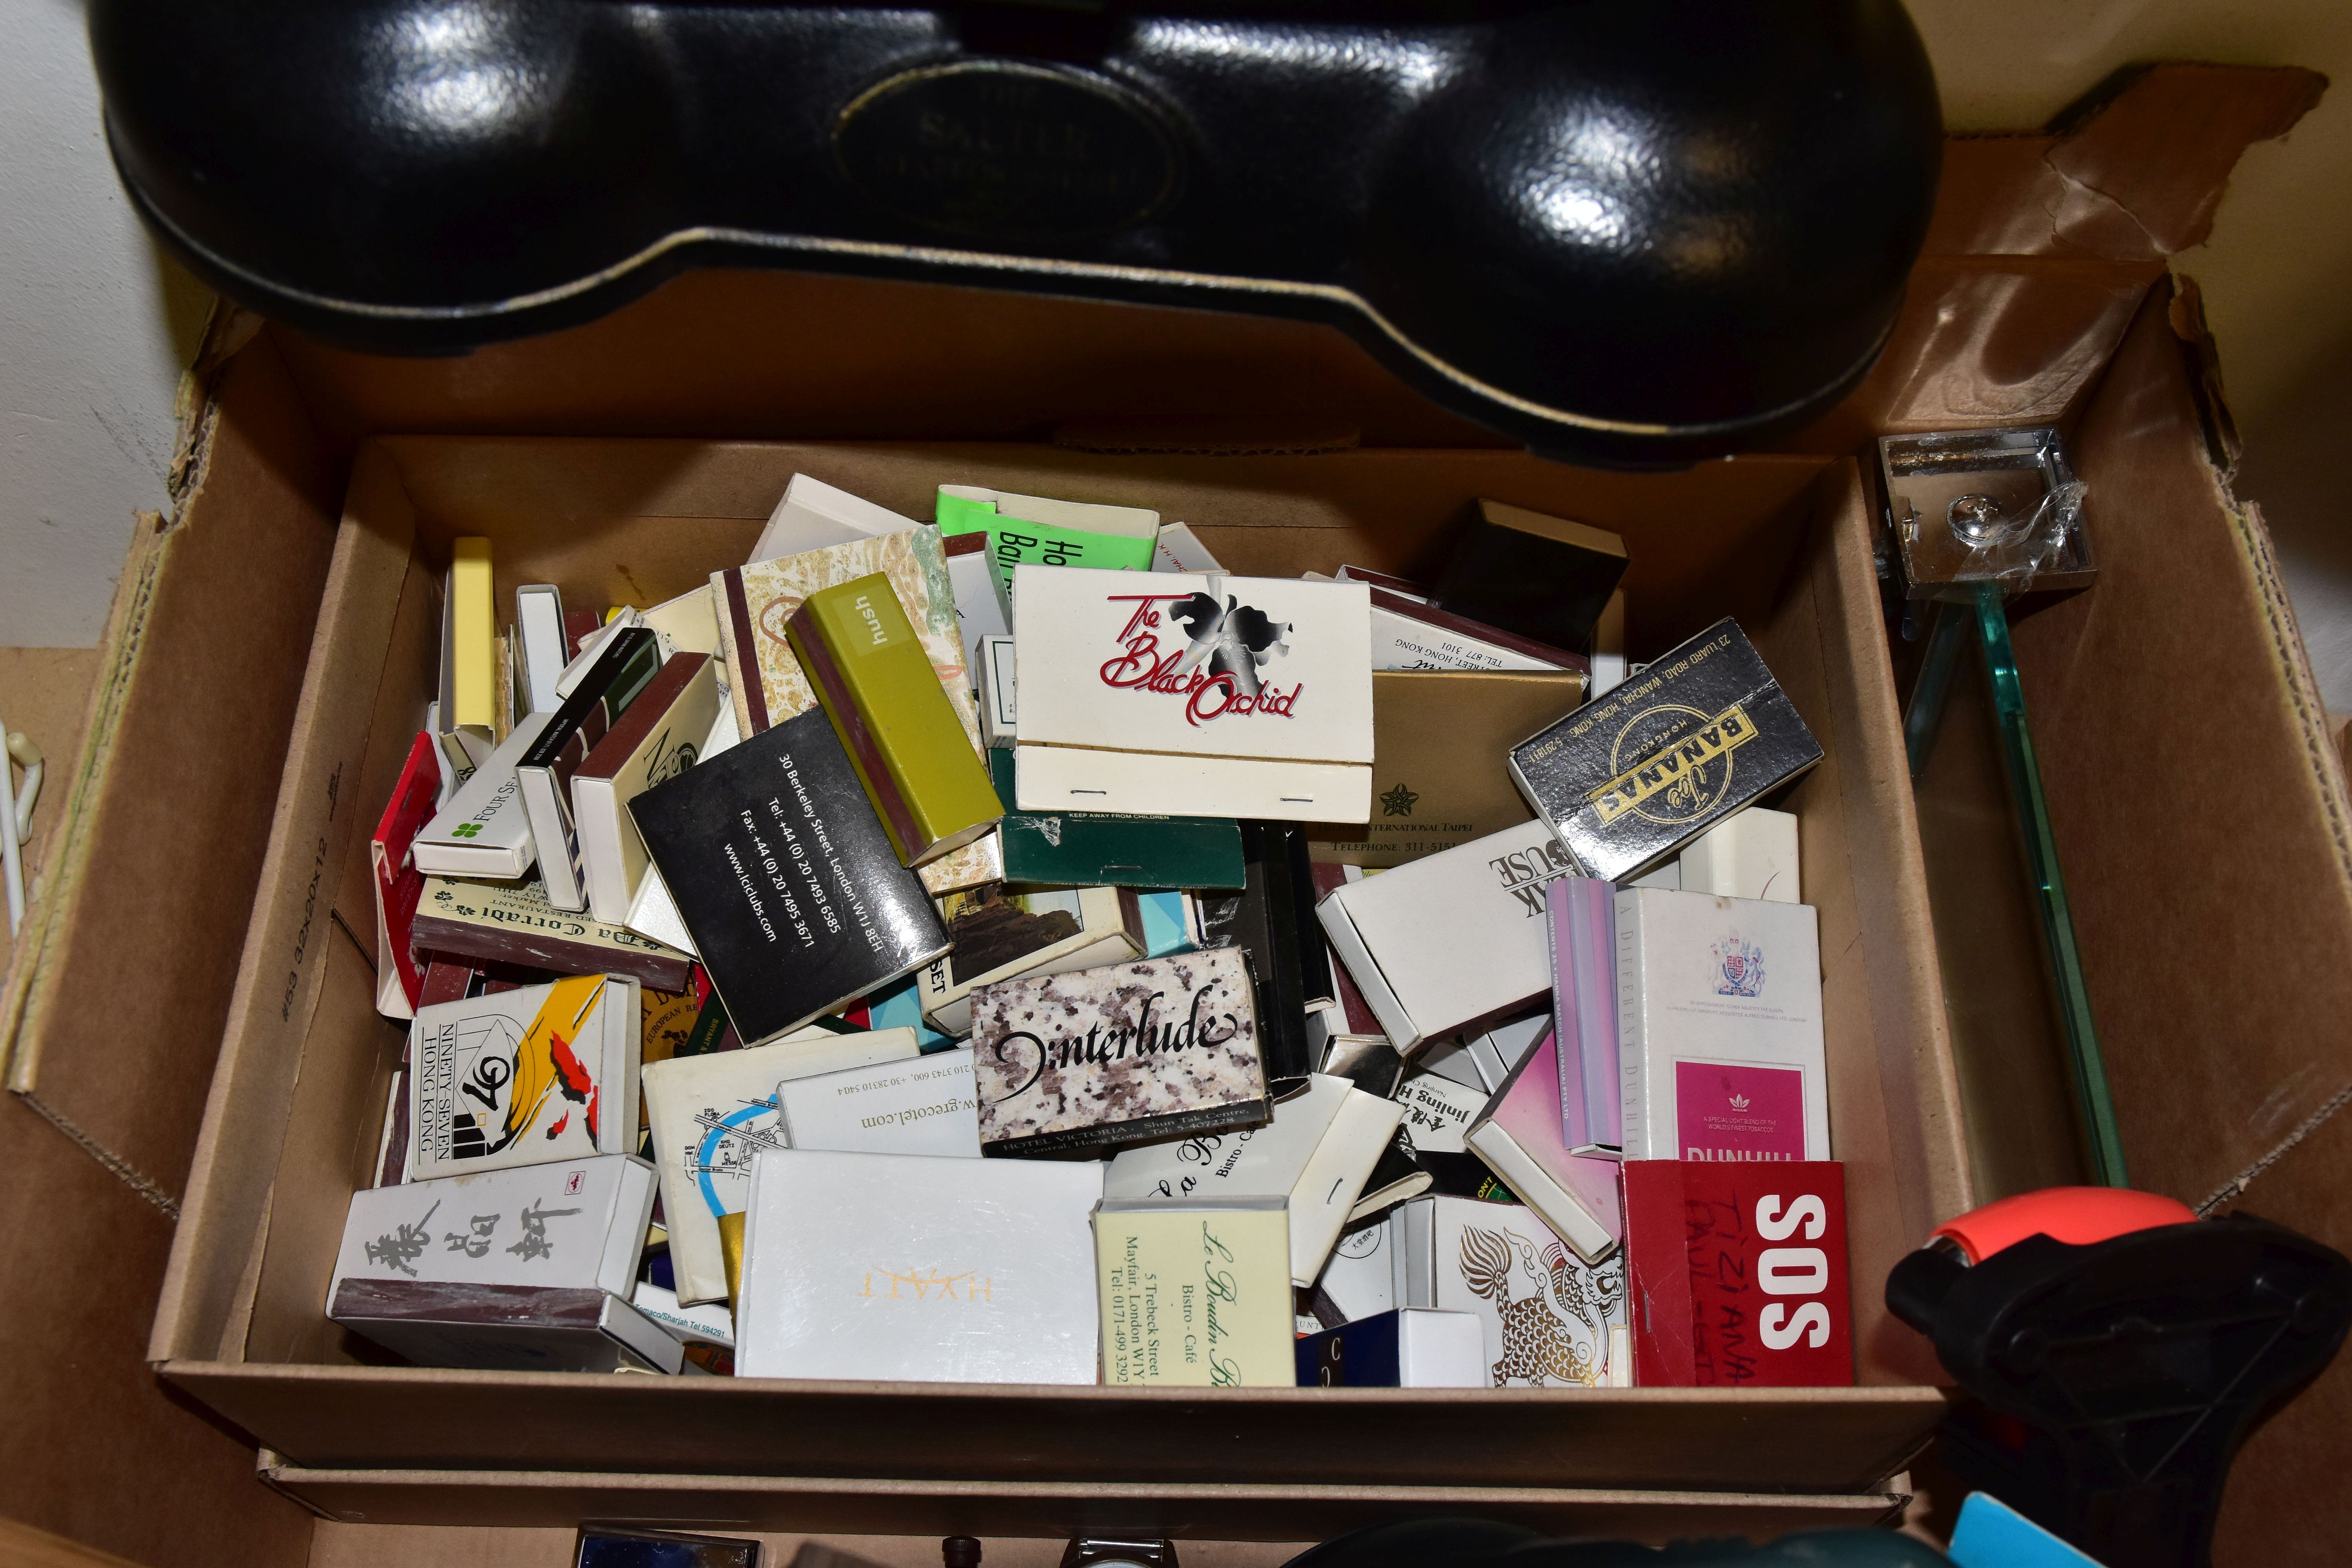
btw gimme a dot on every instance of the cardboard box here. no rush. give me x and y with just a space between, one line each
291 1380
2056 318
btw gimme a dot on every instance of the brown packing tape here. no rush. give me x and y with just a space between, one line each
2162 149
2041 247
1986 340
2133 177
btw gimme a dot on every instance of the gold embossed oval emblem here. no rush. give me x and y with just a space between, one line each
998 150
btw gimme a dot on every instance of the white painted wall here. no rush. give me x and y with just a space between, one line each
89 359
95 325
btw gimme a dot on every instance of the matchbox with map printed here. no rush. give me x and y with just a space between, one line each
524 1077
1628 779
710 1117
1192 694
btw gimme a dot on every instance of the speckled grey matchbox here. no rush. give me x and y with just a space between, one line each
1130 1053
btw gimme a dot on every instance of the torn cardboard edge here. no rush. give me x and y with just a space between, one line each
2202 361
99 875
2130 173
2201 591
124 641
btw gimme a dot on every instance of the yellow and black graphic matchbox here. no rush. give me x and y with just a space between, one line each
1628 780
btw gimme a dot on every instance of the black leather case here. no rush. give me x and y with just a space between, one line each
1623 231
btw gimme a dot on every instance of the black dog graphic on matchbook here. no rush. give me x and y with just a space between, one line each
1235 640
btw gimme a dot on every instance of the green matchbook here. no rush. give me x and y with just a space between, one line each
1012 540
1108 849
893 716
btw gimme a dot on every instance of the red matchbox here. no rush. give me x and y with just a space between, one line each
1736 1274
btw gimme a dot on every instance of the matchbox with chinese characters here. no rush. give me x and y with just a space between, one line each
576 1223
523 1077
1192 694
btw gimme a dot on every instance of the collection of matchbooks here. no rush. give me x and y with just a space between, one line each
1012 948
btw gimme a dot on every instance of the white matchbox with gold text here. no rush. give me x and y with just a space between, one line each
910 1267
1124 1054
1192 694
1196 1296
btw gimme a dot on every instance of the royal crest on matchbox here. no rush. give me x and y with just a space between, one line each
1719 1028
1194 694
1630 778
